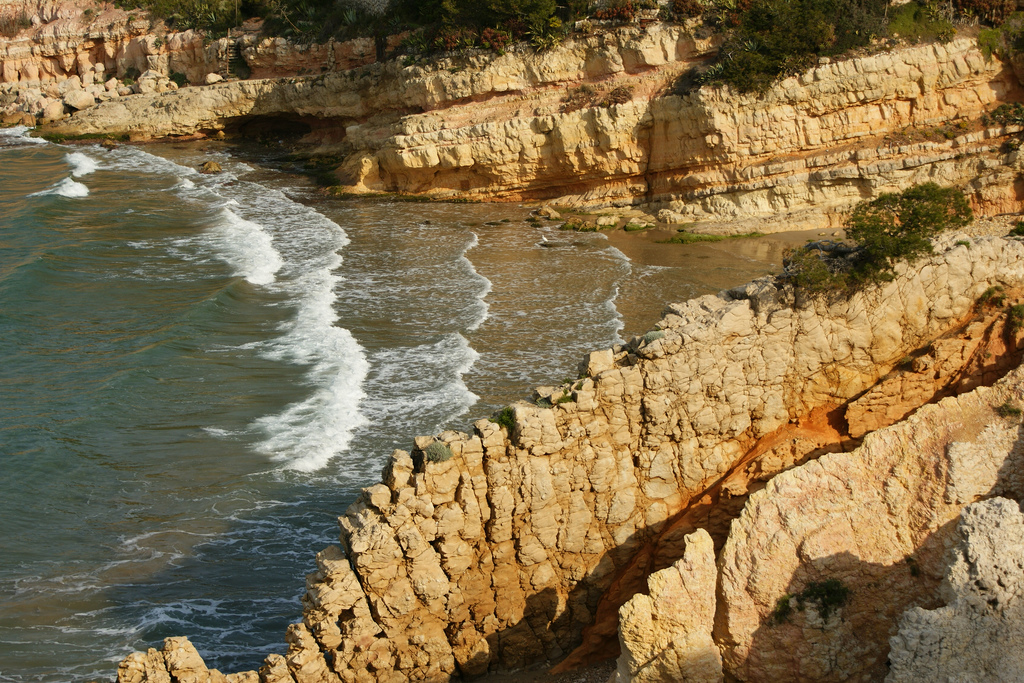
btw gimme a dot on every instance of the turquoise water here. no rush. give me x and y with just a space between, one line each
200 372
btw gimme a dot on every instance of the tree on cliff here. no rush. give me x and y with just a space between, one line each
892 228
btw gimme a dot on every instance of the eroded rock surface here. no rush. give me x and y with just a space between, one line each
499 556
979 634
505 127
666 634
878 521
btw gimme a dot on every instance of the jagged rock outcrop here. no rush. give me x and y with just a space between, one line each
666 634
512 127
979 634
878 521
499 554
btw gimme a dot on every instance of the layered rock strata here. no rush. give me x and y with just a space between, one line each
979 634
499 555
75 53
589 123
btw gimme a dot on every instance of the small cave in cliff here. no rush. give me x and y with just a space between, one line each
269 127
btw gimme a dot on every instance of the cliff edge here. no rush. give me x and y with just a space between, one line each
508 546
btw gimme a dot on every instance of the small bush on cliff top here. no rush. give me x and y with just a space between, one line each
505 418
437 452
885 231
917 23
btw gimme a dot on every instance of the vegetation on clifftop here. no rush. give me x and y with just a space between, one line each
892 228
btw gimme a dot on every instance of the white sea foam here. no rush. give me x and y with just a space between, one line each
18 135
81 164
290 249
485 286
68 187
307 434
245 246
417 371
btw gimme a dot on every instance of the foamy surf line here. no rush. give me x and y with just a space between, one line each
81 164
486 285
294 250
285 247
245 246
307 434
20 134
68 187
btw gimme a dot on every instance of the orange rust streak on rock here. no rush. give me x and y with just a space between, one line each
824 426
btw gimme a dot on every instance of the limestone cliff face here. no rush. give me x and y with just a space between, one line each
500 555
879 520
520 126
979 634
665 635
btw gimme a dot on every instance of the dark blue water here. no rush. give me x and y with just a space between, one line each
198 373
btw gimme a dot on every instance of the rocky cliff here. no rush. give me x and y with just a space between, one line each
593 122
500 548
979 634
71 54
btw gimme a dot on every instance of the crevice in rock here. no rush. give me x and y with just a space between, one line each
988 349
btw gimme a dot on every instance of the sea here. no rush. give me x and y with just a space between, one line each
198 373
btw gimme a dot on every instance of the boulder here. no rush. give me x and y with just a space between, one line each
213 78
79 99
53 111
210 167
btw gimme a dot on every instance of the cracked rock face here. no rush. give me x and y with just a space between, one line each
499 127
878 520
500 555
666 634
979 634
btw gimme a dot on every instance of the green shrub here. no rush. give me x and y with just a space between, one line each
776 38
1008 410
653 335
687 8
1015 318
919 23
992 296
828 596
885 231
685 237
991 11
437 452
179 78
12 24
783 609
209 15
1018 229
506 418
